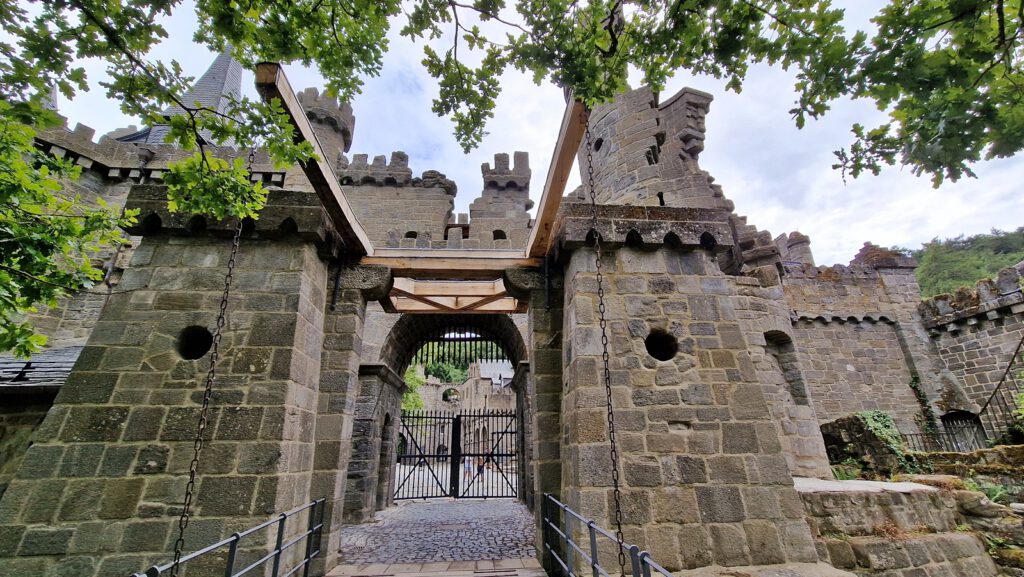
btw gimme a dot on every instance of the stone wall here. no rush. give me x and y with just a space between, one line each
763 315
898 531
856 366
374 441
19 417
705 481
99 490
395 209
977 330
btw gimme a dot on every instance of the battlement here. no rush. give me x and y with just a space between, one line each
835 273
686 111
326 110
990 299
875 256
379 172
795 248
502 177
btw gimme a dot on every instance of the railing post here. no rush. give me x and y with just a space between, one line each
229 568
634 558
593 549
277 547
568 541
645 567
310 535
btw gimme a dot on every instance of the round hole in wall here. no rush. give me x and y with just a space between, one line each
194 342
661 345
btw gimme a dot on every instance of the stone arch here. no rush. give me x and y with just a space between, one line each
411 331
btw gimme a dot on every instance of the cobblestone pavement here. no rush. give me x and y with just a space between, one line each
442 530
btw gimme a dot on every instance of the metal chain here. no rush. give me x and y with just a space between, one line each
606 372
211 377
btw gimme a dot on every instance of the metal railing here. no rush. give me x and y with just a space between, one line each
314 529
559 523
944 441
998 412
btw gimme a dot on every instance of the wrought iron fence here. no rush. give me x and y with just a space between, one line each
283 542
573 559
945 441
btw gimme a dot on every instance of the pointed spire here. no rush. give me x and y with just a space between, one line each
215 89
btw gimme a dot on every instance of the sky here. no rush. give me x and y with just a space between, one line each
779 176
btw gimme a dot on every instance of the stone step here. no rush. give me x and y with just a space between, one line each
953 554
860 508
484 568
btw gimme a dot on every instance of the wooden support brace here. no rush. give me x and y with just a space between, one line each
272 83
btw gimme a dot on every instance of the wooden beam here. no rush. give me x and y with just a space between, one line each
574 123
449 288
449 264
507 305
272 83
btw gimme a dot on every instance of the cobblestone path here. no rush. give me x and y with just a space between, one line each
442 530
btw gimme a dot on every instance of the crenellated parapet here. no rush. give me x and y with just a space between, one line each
504 177
988 300
333 122
117 161
795 248
752 248
325 109
878 257
380 172
645 226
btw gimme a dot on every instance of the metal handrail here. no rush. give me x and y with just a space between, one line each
312 534
558 536
998 394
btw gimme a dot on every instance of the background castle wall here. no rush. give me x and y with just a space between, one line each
976 331
856 366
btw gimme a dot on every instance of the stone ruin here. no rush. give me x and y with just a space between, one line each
729 350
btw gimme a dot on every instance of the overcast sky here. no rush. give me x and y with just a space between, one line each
779 177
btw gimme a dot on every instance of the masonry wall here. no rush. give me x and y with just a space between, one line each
704 477
388 213
19 417
70 321
764 316
976 331
374 441
858 338
856 366
99 490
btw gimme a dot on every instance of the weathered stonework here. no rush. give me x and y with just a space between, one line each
767 348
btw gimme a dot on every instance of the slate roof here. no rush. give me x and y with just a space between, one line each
214 90
46 370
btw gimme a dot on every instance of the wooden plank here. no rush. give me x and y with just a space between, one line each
449 288
404 305
574 123
449 264
272 83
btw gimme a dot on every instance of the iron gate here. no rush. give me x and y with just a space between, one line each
471 454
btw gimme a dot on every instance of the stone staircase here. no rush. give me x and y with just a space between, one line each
879 529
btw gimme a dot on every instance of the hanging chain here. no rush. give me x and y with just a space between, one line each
606 371
211 377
